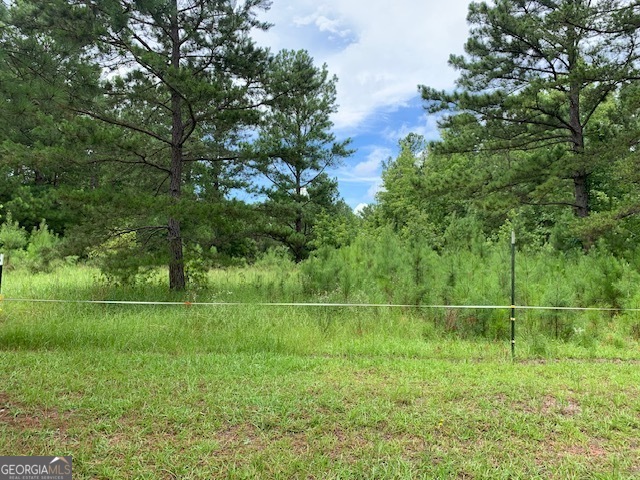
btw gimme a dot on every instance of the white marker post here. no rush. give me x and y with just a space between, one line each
1 263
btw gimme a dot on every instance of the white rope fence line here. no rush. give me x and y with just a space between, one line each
320 304
587 309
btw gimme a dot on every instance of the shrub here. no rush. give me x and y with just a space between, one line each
13 240
122 261
42 250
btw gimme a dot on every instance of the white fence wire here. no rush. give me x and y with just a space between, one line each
321 304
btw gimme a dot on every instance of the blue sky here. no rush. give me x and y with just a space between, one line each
375 140
381 51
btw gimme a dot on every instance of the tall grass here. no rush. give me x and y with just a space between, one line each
256 391
382 270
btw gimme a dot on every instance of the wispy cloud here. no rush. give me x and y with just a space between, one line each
368 170
374 189
427 126
324 23
373 163
388 53
367 174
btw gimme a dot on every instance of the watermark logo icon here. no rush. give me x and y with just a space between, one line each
35 468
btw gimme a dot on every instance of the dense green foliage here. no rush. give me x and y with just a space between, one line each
436 292
244 322
126 128
535 110
131 131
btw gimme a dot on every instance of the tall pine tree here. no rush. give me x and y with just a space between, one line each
534 77
175 75
296 146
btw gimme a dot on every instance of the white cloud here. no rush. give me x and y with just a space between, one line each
365 176
373 163
359 208
374 189
366 172
324 24
427 127
386 51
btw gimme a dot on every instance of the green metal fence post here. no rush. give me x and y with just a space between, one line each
513 294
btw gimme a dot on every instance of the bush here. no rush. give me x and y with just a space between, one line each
42 250
122 261
276 257
13 240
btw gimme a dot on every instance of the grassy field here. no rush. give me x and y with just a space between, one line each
276 392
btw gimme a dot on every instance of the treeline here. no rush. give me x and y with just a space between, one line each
136 128
543 127
540 135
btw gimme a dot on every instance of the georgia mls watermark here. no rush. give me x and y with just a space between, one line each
35 468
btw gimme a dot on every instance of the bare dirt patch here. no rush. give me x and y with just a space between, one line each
234 440
18 416
567 408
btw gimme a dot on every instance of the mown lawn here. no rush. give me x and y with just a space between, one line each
153 415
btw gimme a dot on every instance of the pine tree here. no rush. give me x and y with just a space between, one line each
535 75
296 146
175 74
40 141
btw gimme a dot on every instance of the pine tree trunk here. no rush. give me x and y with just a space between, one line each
298 224
581 194
177 280
580 175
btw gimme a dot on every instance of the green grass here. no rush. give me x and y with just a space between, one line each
152 415
276 392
